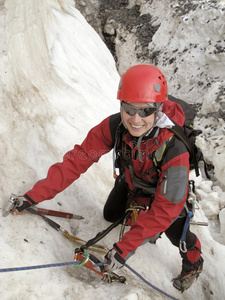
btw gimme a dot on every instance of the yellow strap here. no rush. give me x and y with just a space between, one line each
135 208
79 242
135 217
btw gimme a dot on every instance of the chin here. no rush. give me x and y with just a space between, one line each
136 133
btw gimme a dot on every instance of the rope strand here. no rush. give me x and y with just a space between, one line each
148 283
77 263
39 266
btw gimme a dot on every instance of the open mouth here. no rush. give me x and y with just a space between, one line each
136 126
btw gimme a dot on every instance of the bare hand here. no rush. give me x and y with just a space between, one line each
16 212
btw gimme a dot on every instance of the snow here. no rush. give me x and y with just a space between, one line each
58 80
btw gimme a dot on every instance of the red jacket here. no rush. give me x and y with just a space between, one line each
172 184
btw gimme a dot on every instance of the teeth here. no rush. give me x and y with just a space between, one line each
136 126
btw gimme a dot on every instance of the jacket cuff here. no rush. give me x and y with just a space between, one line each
117 255
26 204
29 199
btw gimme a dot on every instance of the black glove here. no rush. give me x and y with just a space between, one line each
16 203
24 205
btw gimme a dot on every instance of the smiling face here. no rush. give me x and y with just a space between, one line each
137 125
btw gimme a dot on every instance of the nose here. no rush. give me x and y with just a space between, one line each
136 118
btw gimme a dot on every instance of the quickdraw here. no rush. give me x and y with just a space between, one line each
86 260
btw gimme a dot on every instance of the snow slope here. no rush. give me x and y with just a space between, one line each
58 80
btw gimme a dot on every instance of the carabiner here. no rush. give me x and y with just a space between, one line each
81 257
183 247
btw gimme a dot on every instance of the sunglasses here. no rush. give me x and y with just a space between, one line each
142 112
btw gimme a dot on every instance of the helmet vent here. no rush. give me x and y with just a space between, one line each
162 78
157 87
120 85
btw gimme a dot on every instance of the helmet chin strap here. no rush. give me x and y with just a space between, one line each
121 114
159 107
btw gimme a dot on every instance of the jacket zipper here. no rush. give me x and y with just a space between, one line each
165 184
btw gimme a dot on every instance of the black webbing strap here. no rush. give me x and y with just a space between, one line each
103 233
131 209
191 147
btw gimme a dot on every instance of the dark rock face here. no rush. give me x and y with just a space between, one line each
185 39
114 20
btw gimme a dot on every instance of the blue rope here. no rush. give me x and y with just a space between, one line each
39 266
148 283
186 225
78 263
182 245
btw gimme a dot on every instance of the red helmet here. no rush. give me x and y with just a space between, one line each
143 83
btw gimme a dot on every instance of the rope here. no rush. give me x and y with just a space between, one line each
77 263
39 266
148 283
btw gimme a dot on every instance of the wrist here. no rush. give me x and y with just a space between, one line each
24 205
117 255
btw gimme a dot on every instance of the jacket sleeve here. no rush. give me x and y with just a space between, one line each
75 162
169 200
